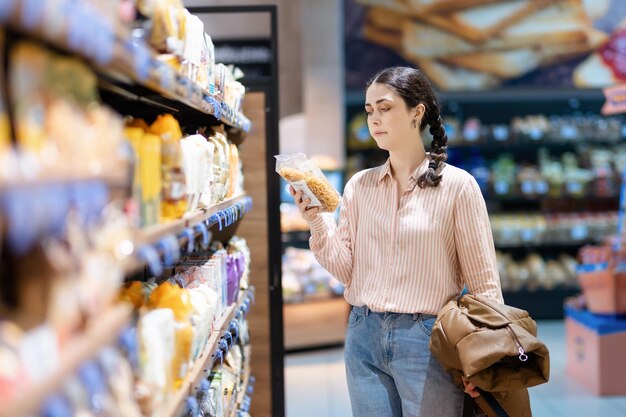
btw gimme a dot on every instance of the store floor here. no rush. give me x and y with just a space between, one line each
316 385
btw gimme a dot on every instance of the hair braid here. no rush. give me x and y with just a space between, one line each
438 155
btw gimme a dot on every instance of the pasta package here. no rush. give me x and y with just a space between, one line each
305 176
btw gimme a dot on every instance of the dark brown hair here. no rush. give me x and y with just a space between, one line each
414 88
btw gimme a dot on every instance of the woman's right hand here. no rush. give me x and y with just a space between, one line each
308 213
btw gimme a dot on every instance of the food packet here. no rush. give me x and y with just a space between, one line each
305 176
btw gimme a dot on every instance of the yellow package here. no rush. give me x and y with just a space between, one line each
174 189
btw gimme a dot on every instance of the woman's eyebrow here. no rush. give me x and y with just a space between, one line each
377 101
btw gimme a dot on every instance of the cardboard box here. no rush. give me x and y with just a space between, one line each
605 290
595 351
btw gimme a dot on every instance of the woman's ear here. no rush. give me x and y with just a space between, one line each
418 112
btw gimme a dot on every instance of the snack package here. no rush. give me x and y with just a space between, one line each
305 176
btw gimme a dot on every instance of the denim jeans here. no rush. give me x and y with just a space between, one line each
390 370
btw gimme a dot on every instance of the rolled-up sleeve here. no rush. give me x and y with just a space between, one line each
474 243
332 243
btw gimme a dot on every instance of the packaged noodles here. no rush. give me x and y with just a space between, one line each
305 176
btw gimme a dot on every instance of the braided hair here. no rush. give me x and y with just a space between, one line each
414 88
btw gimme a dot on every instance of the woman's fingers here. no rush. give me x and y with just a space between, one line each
470 389
308 213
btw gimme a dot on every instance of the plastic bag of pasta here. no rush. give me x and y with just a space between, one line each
305 176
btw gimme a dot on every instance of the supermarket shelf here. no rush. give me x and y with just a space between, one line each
541 304
43 180
222 215
357 97
118 57
491 147
546 246
101 332
244 387
296 237
313 299
540 198
204 364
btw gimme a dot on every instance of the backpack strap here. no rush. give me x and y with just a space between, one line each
493 403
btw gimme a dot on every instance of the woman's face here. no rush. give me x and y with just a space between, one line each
388 118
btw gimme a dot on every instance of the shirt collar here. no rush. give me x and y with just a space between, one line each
385 170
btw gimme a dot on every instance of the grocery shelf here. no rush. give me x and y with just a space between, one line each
101 331
296 236
541 304
221 214
520 198
244 386
118 58
552 247
312 299
526 94
204 363
526 150
41 181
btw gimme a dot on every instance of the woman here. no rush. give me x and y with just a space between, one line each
411 234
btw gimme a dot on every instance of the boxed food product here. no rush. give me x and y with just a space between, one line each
305 176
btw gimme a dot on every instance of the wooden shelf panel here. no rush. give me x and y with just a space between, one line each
101 332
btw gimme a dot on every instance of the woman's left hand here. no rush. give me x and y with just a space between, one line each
470 388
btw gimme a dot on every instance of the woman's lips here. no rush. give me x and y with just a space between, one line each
379 132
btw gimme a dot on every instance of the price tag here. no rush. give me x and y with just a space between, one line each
528 187
528 235
206 106
579 232
32 13
501 187
569 132
6 8
181 86
105 43
535 133
541 187
574 187
501 133
149 255
75 28
141 59
507 235
167 77
56 18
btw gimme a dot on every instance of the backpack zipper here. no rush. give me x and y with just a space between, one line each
522 353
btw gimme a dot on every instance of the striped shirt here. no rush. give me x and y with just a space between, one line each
409 254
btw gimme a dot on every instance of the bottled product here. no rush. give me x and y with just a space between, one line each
173 203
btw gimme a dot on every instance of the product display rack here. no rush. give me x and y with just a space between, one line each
128 64
146 86
206 361
262 226
82 347
500 107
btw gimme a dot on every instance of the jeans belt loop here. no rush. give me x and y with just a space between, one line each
415 316
367 311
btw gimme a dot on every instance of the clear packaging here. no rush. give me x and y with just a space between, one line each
305 176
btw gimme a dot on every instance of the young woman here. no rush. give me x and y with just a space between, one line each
411 234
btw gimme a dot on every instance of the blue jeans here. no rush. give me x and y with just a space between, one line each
390 370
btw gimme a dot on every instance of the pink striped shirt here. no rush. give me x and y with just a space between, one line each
409 254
